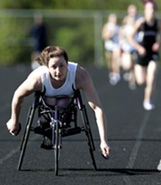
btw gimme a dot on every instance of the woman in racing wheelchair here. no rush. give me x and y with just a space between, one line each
58 75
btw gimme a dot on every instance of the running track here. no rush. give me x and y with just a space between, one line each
133 133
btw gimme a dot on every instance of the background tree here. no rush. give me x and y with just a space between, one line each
75 34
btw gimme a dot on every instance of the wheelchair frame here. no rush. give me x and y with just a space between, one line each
57 129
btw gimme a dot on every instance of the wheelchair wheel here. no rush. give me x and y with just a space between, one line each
23 149
92 157
26 136
91 147
56 146
88 132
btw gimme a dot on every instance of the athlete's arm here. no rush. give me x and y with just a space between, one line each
141 50
84 82
30 85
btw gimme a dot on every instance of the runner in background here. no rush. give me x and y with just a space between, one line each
39 38
110 34
128 56
148 29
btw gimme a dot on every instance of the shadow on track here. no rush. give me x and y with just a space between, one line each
98 172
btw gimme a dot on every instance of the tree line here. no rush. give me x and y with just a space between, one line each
75 34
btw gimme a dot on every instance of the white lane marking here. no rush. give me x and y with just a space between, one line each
136 147
12 152
138 141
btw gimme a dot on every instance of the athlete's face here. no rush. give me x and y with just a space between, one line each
149 11
58 68
132 10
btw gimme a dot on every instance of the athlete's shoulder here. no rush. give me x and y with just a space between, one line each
139 23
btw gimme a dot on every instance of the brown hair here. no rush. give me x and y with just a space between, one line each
150 1
50 52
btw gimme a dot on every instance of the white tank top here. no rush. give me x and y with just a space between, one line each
66 88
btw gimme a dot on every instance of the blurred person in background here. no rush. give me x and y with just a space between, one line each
110 34
58 77
149 29
128 54
38 34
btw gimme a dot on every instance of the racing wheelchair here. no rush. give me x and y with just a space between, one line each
57 118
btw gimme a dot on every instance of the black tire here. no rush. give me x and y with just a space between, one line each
28 118
91 149
23 147
89 136
56 147
25 137
93 159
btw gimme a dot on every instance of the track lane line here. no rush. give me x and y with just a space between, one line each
14 151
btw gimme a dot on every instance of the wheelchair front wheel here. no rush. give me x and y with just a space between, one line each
56 146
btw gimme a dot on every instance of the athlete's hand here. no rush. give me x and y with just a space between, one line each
105 150
13 128
141 51
155 47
